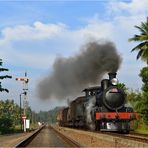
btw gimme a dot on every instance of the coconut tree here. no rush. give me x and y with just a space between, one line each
142 47
141 101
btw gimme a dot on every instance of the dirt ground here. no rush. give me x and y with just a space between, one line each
11 140
90 139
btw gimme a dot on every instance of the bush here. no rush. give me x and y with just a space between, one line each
6 125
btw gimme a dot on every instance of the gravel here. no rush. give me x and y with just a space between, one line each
12 139
89 139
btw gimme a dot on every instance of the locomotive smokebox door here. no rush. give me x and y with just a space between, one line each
113 98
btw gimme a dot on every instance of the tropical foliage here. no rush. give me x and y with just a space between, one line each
9 115
122 86
144 76
142 47
144 102
140 100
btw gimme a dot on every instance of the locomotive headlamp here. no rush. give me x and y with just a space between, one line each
114 81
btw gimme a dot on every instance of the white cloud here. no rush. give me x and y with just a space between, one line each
133 7
41 42
98 30
26 32
35 45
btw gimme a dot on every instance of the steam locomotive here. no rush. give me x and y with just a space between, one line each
102 108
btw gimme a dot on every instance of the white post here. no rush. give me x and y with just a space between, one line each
24 125
27 123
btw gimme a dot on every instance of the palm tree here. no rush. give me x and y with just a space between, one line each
143 38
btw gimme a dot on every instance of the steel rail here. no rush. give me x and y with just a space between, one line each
68 140
125 139
26 141
129 136
133 136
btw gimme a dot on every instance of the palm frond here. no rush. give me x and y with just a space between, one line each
135 38
144 26
143 39
139 54
145 54
140 29
139 46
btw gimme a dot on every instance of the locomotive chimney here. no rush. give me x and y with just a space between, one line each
112 75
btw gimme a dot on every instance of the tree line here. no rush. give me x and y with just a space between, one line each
140 99
10 120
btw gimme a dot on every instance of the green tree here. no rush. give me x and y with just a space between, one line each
3 77
9 115
122 86
141 100
142 47
144 76
6 125
144 107
134 97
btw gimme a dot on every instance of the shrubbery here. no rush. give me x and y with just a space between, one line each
9 116
6 125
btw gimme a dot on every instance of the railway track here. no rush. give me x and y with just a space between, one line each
129 138
133 136
48 137
26 141
71 142
118 140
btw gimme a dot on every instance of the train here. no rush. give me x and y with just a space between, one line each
102 108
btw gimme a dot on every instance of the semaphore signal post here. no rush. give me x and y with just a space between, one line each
25 81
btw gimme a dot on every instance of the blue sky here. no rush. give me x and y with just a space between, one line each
34 33
69 13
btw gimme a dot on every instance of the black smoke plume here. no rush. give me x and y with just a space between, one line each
71 75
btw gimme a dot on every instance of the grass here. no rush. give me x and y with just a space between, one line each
142 128
142 131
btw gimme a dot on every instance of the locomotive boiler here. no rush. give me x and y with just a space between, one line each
102 108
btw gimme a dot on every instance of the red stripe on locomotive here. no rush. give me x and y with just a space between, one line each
115 115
